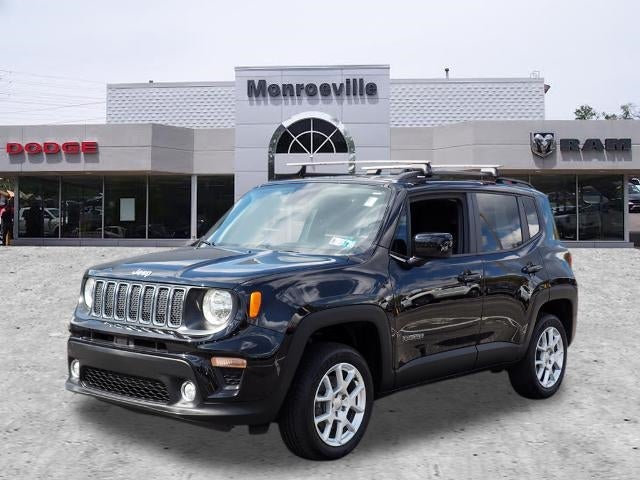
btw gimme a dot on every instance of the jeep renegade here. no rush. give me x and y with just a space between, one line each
312 297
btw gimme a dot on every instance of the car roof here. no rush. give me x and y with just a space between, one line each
419 184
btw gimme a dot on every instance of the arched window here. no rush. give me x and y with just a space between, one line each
311 136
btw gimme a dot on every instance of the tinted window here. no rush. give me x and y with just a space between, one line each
532 216
500 227
39 215
601 207
215 197
169 207
401 239
81 207
561 190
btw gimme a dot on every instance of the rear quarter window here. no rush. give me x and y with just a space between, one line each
531 213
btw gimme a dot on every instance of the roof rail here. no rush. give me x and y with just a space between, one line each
513 181
423 167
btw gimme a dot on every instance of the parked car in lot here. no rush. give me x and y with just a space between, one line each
313 297
38 222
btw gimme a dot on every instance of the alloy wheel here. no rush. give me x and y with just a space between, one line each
549 357
339 404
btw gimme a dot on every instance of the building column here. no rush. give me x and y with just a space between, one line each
194 207
16 208
625 204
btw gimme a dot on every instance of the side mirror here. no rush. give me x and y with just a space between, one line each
432 245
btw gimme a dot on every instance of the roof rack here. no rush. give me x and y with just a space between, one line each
350 163
429 169
407 168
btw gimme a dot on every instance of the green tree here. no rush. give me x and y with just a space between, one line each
586 112
628 111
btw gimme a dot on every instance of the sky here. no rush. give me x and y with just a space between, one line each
56 57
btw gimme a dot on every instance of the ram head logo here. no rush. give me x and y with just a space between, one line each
543 144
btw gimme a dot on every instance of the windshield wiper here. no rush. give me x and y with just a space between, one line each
204 242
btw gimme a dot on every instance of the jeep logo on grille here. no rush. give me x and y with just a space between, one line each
142 273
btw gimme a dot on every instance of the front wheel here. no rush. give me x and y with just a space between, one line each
329 404
540 373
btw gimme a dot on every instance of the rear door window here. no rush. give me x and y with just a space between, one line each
500 227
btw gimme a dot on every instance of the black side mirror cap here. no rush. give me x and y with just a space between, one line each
433 245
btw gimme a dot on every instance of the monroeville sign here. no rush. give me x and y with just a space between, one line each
51 148
351 87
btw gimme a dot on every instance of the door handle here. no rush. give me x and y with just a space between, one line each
531 268
469 276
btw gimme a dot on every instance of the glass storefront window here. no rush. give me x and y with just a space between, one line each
601 207
81 207
125 204
215 197
169 207
586 207
561 190
39 214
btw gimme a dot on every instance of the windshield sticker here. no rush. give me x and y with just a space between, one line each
342 242
370 201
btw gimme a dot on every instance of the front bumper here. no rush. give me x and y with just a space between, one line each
253 401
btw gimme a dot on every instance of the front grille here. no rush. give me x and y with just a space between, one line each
175 311
161 306
134 302
109 297
98 298
146 304
139 388
121 301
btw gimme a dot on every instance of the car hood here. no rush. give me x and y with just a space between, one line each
212 266
634 196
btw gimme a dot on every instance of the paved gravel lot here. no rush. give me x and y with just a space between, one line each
473 427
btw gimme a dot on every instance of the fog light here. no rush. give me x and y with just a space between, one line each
188 391
75 369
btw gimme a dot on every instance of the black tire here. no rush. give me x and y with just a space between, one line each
296 421
523 376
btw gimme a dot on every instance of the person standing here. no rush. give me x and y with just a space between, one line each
6 221
2 207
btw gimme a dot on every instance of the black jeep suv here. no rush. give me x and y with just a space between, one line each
312 297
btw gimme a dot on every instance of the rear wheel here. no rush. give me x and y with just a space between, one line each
329 404
540 373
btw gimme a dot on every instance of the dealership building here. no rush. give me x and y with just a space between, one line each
173 157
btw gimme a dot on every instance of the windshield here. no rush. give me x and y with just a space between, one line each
634 188
320 218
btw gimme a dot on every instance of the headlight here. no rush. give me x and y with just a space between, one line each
87 293
217 306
